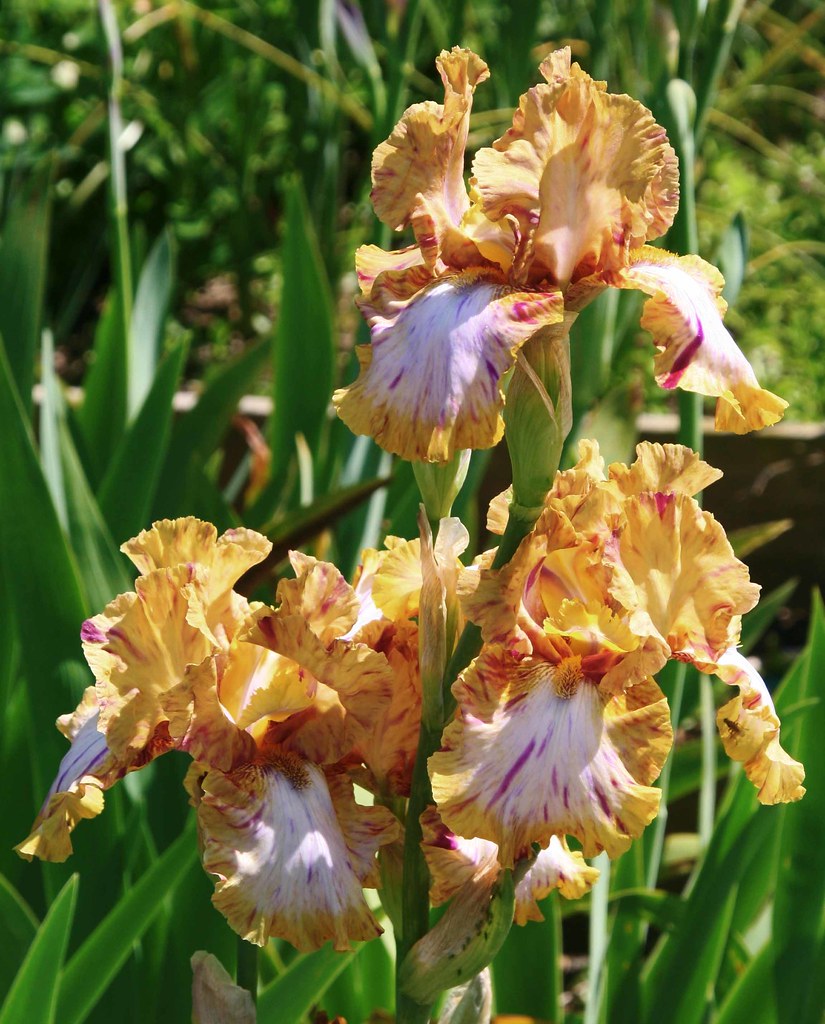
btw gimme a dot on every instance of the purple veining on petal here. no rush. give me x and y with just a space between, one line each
605 806
684 359
87 753
511 774
91 633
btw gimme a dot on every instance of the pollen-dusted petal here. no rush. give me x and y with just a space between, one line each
424 155
695 350
371 261
200 724
493 598
576 169
361 677
675 571
140 646
287 864
397 584
430 382
172 542
749 727
525 761
452 860
555 867
663 468
321 595
612 655
388 743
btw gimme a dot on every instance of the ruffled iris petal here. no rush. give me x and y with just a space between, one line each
523 763
424 155
675 571
577 170
430 382
695 350
555 867
140 646
290 856
749 727
171 542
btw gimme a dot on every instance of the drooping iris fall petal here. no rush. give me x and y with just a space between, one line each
537 751
430 382
291 850
695 349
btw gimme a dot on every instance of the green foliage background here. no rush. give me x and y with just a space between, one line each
224 256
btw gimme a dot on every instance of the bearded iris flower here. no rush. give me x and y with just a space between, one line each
560 728
269 703
558 209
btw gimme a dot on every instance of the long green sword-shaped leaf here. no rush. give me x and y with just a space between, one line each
131 480
42 575
752 997
33 996
196 434
304 346
527 974
148 319
289 998
102 416
23 253
799 908
95 964
18 927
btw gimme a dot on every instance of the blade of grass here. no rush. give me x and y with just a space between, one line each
148 319
33 995
799 924
23 255
292 995
128 488
88 973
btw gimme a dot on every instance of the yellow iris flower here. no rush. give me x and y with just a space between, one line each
558 209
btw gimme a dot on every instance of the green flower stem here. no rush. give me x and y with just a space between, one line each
118 195
246 972
415 897
598 939
416 887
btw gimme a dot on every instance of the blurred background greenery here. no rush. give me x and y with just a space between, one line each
182 187
222 107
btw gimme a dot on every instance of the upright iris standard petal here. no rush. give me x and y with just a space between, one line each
140 646
577 170
695 350
423 159
291 854
537 752
430 382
